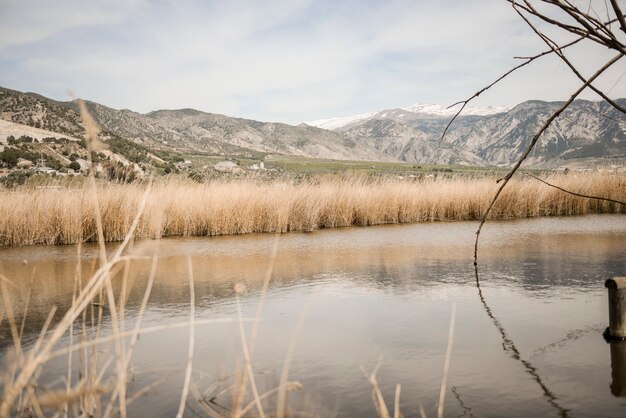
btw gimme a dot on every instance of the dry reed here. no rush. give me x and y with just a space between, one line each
186 208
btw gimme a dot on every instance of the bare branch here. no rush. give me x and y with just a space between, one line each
586 29
553 46
508 345
619 14
606 199
568 28
532 145
502 77
585 19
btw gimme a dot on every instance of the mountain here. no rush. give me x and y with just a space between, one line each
586 133
207 132
185 130
416 110
584 130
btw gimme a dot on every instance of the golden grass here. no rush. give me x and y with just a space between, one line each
186 208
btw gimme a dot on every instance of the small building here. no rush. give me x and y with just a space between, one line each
182 165
45 170
258 166
227 167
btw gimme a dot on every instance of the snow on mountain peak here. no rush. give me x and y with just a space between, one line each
335 123
418 108
438 110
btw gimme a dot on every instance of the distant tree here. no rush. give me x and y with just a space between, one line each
15 178
119 172
9 156
74 165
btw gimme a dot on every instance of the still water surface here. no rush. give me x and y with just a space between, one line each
527 340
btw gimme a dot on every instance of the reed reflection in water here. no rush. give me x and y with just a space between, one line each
379 291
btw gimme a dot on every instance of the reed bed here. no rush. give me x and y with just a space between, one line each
185 208
99 387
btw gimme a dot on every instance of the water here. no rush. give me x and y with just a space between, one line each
527 340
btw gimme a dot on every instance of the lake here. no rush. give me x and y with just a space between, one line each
527 337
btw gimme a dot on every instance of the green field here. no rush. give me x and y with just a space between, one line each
316 165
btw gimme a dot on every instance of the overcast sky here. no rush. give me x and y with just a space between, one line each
288 61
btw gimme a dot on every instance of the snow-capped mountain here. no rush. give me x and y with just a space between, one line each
438 110
416 110
586 133
340 122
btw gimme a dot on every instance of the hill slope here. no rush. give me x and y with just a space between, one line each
586 133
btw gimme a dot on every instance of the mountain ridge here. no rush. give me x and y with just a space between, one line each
426 109
587 132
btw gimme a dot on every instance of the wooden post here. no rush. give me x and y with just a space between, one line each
617 307
618 368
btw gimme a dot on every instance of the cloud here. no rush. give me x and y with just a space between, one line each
26 21
273 60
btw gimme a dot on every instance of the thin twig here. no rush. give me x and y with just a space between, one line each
619 14
466 409
558 51
93 287
532 144
509 347
396 403
606 199
282 388
259 311
586 30
144 390
446 364
502 77
294 385
422 412
248 362
192 304
143 331
377 396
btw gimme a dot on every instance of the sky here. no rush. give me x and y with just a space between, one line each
287 61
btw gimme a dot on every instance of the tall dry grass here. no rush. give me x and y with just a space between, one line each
186 208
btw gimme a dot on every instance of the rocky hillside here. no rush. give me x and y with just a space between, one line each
39 112
588 132
194 130
186 130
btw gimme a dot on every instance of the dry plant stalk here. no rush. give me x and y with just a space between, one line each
446 364
247 373
283 385
186 208
30 363
377 396
192 326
